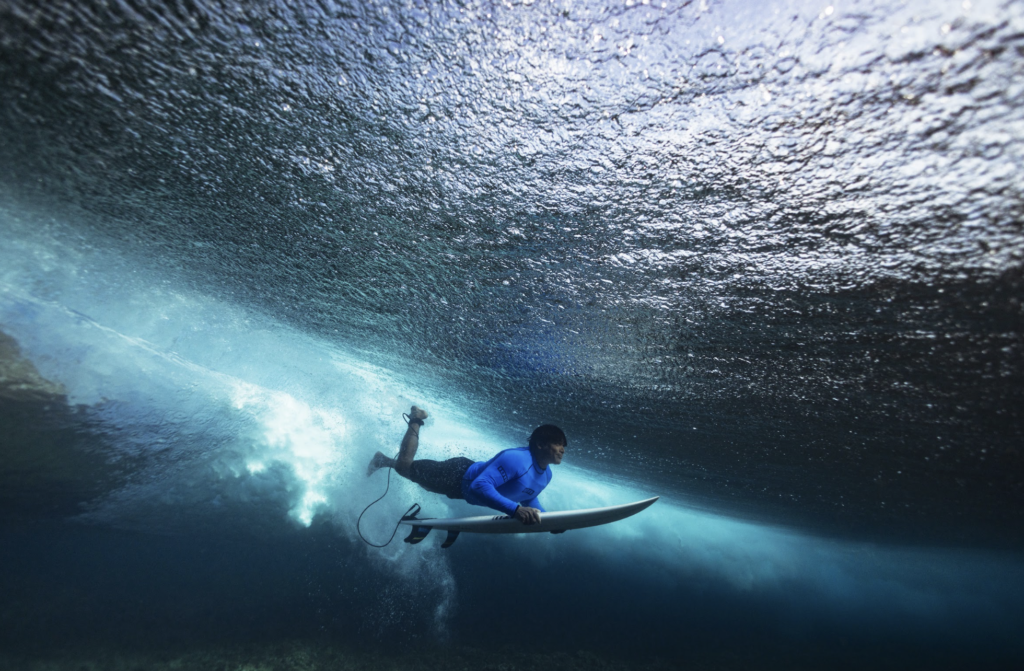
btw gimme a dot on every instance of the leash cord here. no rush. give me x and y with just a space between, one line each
411 508
414 508
359 531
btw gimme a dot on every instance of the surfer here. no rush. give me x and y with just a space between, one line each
509 482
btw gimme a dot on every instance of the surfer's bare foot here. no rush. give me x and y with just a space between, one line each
417 415
379 461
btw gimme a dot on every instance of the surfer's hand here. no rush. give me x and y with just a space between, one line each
527 515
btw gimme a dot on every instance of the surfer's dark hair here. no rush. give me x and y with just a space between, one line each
547 434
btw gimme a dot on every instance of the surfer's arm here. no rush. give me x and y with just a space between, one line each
492 499
485 486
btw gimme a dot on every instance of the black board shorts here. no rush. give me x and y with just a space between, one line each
440 477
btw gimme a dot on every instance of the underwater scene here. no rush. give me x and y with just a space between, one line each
762 259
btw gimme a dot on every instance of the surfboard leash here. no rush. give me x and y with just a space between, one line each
413 510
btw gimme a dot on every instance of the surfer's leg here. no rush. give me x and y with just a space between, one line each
407 450
440 477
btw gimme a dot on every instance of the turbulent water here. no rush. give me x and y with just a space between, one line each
761 258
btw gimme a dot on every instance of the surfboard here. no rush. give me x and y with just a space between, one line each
553 522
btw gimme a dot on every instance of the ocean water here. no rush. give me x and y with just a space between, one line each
762 259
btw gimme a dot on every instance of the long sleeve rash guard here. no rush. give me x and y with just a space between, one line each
510 478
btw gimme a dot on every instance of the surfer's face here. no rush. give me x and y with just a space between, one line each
554 453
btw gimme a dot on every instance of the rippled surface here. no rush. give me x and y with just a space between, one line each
765 255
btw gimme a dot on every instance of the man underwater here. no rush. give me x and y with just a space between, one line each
509 482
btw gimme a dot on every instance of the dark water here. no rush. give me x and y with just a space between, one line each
761 258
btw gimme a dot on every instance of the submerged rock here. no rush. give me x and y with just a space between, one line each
50 458
19 379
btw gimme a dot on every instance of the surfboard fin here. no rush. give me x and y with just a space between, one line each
417 534
412 512
452 535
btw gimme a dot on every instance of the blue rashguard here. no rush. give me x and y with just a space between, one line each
510 478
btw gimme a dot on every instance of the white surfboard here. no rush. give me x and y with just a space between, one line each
554 522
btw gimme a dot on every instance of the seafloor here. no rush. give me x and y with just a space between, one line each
300 655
